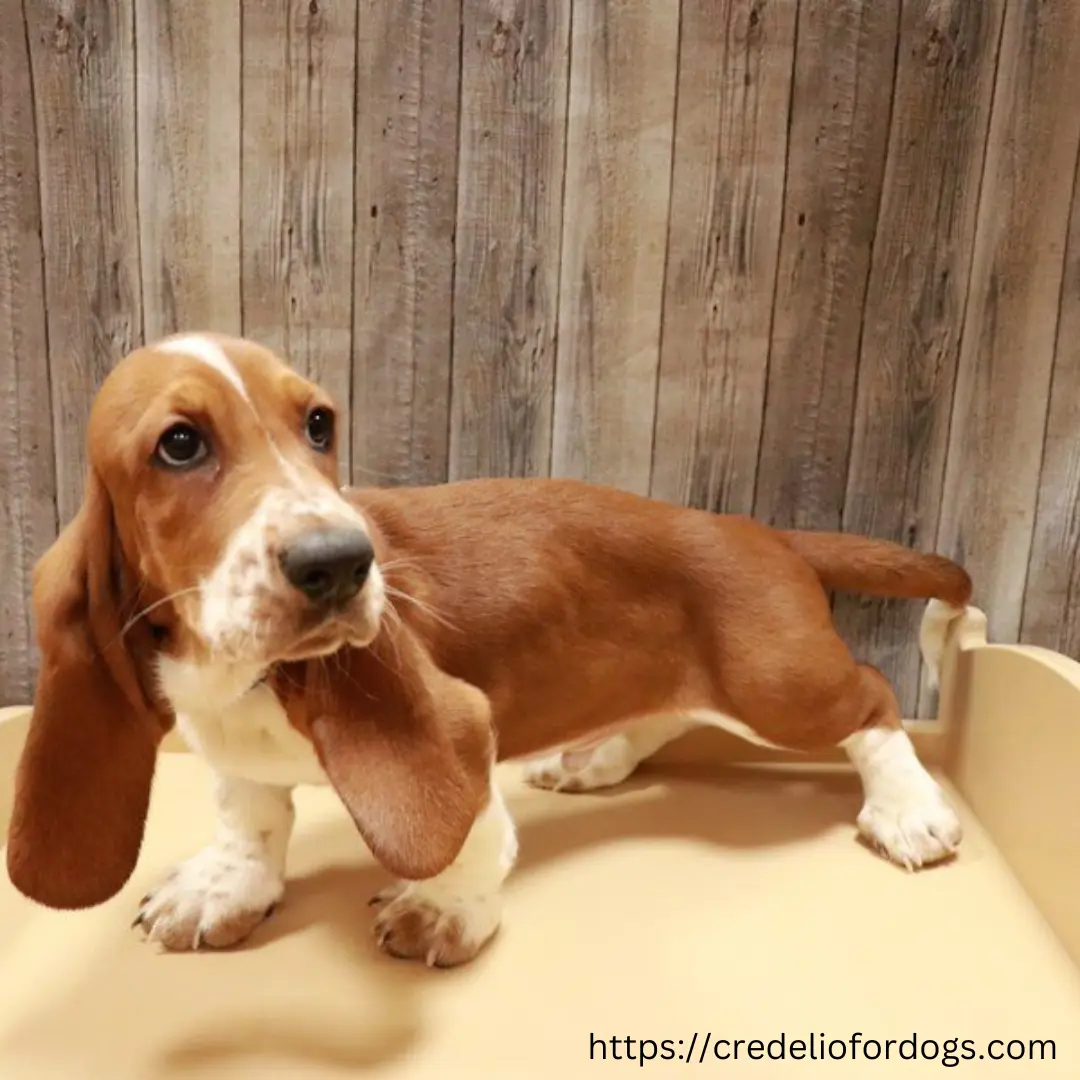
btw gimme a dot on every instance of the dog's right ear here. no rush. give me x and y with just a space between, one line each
83 782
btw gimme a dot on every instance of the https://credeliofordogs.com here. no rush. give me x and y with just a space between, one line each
704 1047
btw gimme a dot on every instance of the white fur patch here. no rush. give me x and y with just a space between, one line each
230 592
239 729
199 347
605 762
732 726
220 895
209 352
905 814
233 594
934 635
601 763
460 908
292 474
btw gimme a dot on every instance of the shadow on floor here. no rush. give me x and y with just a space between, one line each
732 808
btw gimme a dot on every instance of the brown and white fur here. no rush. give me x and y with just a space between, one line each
546 620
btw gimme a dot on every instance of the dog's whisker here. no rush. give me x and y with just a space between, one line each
393 478
344 672
398 563
424 606
156 604
394 625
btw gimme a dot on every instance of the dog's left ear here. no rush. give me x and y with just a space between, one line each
408 748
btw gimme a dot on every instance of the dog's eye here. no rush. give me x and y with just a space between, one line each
320 428
181 447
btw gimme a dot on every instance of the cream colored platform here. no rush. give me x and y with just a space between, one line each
723 899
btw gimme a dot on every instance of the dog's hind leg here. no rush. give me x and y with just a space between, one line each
905 814
608 760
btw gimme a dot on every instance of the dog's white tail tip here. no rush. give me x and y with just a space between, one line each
933 634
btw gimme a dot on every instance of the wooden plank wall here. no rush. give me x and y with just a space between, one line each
915 302
27 461
815 261
514 80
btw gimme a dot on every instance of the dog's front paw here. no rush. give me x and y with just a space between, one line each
215 898
419 922
914 826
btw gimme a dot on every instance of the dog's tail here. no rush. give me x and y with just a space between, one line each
881 568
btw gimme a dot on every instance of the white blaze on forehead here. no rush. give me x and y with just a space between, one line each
209 352
206 349
213 355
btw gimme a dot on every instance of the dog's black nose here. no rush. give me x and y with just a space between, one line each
329 565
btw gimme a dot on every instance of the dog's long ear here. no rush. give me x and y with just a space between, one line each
84 778
408 749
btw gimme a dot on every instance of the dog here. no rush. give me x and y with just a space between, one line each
397 643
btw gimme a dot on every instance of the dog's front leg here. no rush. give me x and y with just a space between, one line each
218 896
447 919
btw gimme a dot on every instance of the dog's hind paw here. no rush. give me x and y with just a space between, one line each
602 765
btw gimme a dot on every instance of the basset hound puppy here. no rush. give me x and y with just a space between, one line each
396 644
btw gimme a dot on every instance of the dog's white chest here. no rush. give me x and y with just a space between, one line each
250 737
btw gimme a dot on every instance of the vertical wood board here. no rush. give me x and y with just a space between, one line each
407 87
1051 612
615 215
735 69
189 165
509 232
844 63
27 462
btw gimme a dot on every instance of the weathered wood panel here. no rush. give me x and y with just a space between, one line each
189 165
844 65
298 85
717 250
618 168
1003 381
735 68
509 232
408 54
1051 613
914 308
83 63
27 462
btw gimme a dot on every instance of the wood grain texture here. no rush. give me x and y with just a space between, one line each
1051 613
189 165
298 85
914 307
509 231
844 65
82 58
27 464
618 168
1003 380
735 68
408 54
818 260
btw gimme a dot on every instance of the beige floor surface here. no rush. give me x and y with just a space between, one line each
736 904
